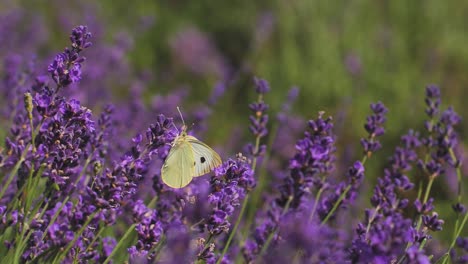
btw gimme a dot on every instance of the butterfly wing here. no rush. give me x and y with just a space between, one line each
178 168
206 159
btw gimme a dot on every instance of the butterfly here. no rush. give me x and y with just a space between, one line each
188 158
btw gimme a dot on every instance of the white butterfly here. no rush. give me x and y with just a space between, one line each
188 158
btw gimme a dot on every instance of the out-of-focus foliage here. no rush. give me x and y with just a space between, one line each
340 55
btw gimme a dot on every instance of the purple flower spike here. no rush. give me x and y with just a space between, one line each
258 119
462 242
314 156
432 100
66 67
261 86
459 208
80 38
433 222
374 127
149 231
232 181
424 208
417 256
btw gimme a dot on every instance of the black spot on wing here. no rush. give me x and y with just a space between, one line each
202 160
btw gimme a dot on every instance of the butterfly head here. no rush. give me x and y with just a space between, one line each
184 130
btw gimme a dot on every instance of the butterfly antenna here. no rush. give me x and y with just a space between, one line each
175 127
181 117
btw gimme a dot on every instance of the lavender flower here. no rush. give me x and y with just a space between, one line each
385 232
433 222
354 178
231 182
149 231
114 187
313 243
259 120
314 157
462 245
374 128
66 67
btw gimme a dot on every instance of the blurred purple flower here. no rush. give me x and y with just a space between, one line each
313 243
432 100
258 119
314 157
264 27
354 178
149 231
196 51
385 232
417 256
433 222
353 64
374 127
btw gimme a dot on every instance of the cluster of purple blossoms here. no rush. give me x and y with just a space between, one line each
346 191
66 67
462 244
259 120
230 184
442 137
374 127
384 233
60 150
386 224
114 187
149 231
314 157
309 169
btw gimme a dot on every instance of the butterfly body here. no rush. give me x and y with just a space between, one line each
188 158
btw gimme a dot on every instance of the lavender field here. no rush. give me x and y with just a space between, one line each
341 132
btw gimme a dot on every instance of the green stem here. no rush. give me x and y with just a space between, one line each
262 182
96 237
335 206
67 198
14 171
231 235
54 217
246 198
270 236
120 244
153 201
459 176
371 219
317 198
75 238
158 248
426 197
458 232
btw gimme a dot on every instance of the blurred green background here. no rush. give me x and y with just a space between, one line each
342 55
